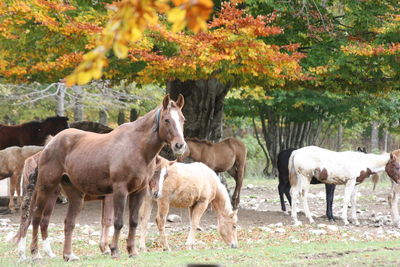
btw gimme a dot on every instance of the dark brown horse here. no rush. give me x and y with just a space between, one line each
228 155
31 133
120 163
90 126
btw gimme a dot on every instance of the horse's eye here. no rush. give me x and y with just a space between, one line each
234 227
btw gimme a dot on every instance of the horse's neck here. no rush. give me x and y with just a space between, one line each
378 162
196 151
148 138
221 203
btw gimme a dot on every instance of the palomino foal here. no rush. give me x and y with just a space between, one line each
119 163
192 186
331 167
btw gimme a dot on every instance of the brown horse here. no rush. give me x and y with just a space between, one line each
12 162
193 186
31 133
107 211
120 163
228 155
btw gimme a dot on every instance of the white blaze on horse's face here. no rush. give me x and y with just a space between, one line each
163 173
179 127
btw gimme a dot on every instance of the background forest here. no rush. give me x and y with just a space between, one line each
276 74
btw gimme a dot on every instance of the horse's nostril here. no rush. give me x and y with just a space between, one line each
178 146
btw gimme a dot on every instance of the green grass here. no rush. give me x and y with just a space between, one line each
257 248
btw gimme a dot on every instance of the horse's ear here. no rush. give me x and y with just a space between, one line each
180 102
158 159
393 156
165 101
171 162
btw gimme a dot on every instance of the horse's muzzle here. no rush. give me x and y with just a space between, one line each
156 195
234 245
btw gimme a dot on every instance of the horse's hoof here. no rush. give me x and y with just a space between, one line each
71 257
142 249
51 255
199 229
36 256
133 254
5 212
22 258
297 223
105 250
311 220
285 213
114 254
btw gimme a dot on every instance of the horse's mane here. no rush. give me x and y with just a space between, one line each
55 118
197 140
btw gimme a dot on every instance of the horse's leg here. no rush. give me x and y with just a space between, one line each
119 200
43 194
393 202
281 190
238 181
330 192
13 185
19 197
295 192
75 203
162 212
107 215
304 197
44 224
196 212
144 217
26 218
354 206
349 187
135 202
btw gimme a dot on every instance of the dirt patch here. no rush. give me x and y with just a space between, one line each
259 207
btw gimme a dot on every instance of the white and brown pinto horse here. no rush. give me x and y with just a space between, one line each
120 163
348 168
193 186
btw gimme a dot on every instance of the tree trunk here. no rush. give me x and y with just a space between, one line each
103 118
203 108
78 106
339 138
60 98
386 137
133 115
121 117
375 137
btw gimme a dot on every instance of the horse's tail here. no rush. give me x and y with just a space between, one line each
26 207
375 180
292 169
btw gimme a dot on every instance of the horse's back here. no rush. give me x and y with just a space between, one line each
188 183
27 151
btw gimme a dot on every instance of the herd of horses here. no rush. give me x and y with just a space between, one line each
124 166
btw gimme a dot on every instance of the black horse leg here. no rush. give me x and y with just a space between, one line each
330 191
281 191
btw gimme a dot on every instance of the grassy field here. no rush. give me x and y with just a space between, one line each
270 246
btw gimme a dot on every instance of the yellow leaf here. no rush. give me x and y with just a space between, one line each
84 77
120 50
177 17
